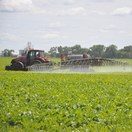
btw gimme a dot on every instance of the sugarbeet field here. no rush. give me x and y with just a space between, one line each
65 102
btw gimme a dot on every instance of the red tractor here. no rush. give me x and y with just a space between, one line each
32 57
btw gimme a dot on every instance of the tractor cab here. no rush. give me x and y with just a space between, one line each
36 57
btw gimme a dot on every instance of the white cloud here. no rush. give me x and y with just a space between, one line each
41 2
51 36
65 2
73 11
16 5
122 11
109 28
78 11
122 32
20 6
55 24
113 29
9 37
37 10
69 2
99 12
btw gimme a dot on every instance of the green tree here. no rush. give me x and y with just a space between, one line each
54 52
66 50
76 49
128 48
7 52
84 50
60 49
126 52
97 50
111 51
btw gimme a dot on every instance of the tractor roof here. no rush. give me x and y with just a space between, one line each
36 50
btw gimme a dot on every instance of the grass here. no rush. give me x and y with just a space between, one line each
65 102
4 61
129 61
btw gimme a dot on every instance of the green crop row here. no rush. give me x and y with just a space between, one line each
4 61
65 102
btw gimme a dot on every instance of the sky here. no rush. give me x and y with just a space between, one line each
50 23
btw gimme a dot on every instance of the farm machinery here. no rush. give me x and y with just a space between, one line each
29 59
36 60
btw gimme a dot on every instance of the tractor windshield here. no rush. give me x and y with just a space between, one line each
33 54
40 54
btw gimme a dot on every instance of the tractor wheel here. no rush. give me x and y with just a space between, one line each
8 68
18 66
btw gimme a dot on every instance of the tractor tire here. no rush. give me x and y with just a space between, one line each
18 66
8 68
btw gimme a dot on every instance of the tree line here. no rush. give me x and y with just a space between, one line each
94 51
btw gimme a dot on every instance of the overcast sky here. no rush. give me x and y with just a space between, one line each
48 23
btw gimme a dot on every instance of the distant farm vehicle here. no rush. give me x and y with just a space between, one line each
32 57
35 60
